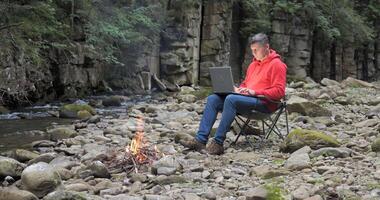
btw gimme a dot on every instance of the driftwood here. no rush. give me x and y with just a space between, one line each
126 160
160 84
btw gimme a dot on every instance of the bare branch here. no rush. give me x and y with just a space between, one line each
9 26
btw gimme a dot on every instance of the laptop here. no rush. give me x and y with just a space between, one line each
222 81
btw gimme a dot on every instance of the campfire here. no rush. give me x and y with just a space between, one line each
135 155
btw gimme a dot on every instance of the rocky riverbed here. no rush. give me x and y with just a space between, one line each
332 152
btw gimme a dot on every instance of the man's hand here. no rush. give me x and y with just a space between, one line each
246 91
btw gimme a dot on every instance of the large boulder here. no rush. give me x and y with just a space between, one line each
305 107
299 138
13 193
40 179
10 167
71 110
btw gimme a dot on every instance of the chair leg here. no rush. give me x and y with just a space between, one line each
242 128
286 120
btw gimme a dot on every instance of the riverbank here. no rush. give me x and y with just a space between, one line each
76 161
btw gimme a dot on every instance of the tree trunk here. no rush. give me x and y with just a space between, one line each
333 61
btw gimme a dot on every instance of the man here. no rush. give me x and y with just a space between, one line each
266 75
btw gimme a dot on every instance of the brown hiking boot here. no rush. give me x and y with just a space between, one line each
193 144
214 148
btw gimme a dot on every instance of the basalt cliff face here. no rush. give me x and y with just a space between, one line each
194 36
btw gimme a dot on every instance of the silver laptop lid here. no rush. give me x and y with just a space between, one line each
221 79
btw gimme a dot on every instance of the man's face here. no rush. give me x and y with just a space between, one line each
259 51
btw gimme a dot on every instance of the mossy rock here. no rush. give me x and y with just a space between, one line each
71 110
61 133
84 114
376 145
202 93
299 138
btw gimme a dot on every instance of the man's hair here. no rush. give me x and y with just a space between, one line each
260 38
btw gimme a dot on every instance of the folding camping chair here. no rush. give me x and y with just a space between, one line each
266 119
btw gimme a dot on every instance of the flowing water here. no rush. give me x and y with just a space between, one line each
19 133
21 127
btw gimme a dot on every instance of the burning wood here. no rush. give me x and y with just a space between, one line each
135 155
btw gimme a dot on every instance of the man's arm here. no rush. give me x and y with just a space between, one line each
278 81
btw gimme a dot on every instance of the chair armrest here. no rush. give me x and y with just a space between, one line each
268 99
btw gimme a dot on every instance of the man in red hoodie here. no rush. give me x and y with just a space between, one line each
266 75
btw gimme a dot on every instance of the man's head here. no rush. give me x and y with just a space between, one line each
259 46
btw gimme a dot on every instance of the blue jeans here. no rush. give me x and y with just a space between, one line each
229 105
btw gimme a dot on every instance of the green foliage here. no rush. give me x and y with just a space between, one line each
274 192
337 20
258 17
111 28
32 26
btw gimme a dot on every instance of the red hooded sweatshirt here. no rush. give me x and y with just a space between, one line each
267 77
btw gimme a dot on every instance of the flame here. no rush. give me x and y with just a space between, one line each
138 142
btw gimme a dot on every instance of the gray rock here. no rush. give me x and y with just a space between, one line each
23 155
331 151
257 193
123 197
139 177
61 133
168 164
64 162
165 180
99 170
352 82
315 197
113 191
166 171
329 82
297 161
190 196
300 193
13 193
78 187
40 179
72 195
188 98
10 167
367 123
112 101
303 150
46 157
267 172
305 107
156 197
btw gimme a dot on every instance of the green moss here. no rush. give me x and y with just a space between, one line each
274 192
84 114
76 108
279 161
202 93
313 135
299 138
376 145
373 185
